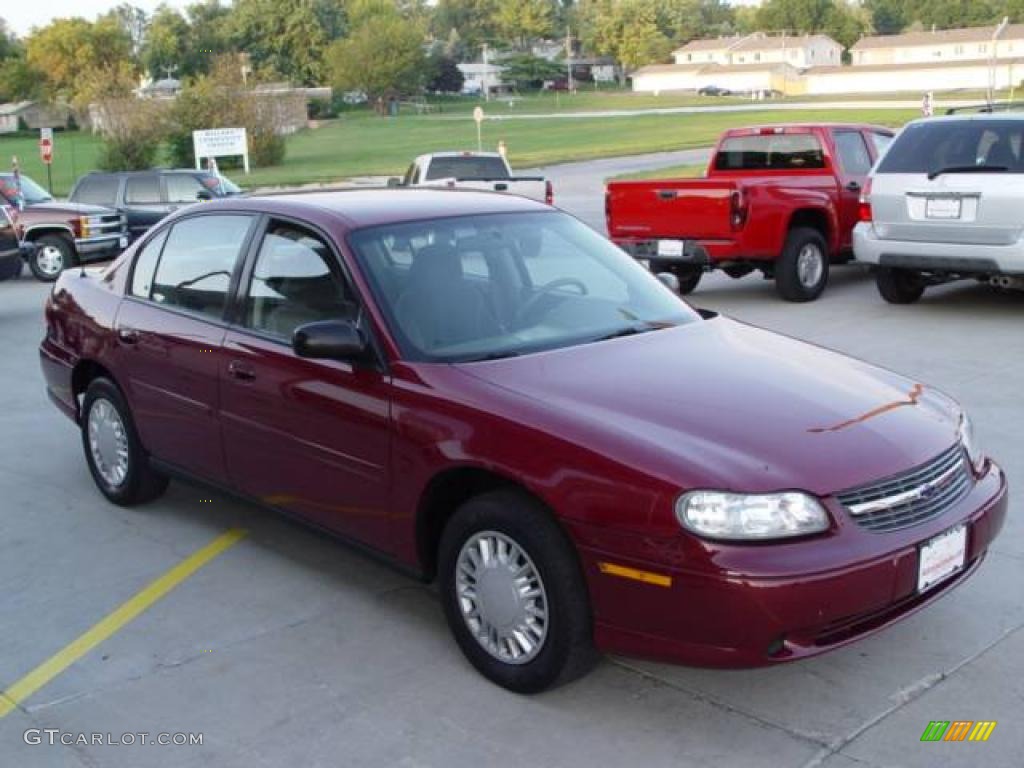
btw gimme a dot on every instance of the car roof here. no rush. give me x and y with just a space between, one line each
750 129
982 117
359 208
150 170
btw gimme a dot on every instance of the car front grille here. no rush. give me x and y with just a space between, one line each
912 497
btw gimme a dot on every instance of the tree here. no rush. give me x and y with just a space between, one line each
167 45
133 21
626 30
887 16
528 71
382 54
81 60
472 20
283 38
847 23
525 20
794 15
447 77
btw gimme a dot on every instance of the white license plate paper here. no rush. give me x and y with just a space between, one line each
941 557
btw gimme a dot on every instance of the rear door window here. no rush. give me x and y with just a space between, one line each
98 190
853 153
927 147
142 190
145 265
770 151
881 142
182 188
198 261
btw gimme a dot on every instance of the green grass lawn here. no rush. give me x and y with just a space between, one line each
360 144
670 172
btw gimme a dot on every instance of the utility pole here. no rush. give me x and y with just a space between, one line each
992 58
568 56
485 77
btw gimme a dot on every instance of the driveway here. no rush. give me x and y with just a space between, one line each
288 648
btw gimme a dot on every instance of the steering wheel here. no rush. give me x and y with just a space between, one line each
546 289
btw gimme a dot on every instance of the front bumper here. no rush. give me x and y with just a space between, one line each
101 244
943 258
734 615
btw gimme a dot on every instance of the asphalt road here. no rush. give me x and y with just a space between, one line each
292 650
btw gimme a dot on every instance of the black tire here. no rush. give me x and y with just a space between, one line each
899 286
10 269
566 651
792 280
53 254
689 279
141 483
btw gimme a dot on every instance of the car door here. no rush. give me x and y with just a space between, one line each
181 189
309 436
852 172
169 332
143 206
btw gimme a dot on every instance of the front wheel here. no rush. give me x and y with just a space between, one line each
802 271
53 254
116 458
513 593
899 286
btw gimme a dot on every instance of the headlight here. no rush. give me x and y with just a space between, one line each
721 515
970 443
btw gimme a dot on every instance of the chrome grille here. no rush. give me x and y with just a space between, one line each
912 497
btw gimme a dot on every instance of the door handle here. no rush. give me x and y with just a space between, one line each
128 335
853 186
241 371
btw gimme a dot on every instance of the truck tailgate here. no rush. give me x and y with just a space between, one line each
698 209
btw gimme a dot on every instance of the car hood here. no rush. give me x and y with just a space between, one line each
65 208
726 405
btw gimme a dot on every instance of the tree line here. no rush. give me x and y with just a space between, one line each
404 46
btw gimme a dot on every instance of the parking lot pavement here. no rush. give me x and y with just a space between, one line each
291 649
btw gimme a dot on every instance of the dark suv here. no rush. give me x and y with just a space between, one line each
145 197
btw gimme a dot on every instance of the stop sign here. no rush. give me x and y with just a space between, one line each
46 150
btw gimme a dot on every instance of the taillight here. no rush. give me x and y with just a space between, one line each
608 208
737 208
864 212
549 192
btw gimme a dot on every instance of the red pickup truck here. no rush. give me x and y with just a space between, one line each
781 199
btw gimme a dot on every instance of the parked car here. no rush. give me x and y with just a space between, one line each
61 234
945 204
714 90
474 170
488 393
780 199
145 197
12 251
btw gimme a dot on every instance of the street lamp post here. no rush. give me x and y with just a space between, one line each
992 59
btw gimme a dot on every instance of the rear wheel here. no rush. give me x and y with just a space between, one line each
116 459
53 254
514 594
689 278
899 286
802 271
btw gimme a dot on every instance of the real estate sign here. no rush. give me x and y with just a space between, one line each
221 142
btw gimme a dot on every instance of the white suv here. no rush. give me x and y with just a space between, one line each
946 202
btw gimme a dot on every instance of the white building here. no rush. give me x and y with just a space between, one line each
911 78
739 78
710 51
938 46
480 77
800 52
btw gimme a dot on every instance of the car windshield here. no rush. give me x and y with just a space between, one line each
958 145
467 168
31 193
490 286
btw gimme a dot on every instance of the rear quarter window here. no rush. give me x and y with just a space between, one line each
931 146
467 168
770 151
97 190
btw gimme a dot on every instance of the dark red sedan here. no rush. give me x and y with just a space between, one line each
489 393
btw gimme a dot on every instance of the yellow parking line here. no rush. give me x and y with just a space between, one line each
113 621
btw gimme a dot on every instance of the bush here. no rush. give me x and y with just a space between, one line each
266 148
133 131
127 154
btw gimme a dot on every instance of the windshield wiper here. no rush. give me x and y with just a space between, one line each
632 330
967 169
491 356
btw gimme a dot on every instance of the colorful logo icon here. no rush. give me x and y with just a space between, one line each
958 730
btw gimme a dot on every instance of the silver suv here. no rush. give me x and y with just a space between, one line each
946 202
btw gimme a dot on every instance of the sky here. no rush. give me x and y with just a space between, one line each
21 16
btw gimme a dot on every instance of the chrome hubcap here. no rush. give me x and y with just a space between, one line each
809 265
108 442
50 260
501 597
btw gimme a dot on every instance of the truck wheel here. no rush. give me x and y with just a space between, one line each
514 594
689 279
802 270
899 286
54 254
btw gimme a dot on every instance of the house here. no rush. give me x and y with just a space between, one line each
756 77
481 77
33 115
800 52
709 51
913 77
165 88
934 46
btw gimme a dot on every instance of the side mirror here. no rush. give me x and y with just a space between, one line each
394 181
331 340
203 195
669 280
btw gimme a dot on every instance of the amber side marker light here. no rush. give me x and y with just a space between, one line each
647 577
